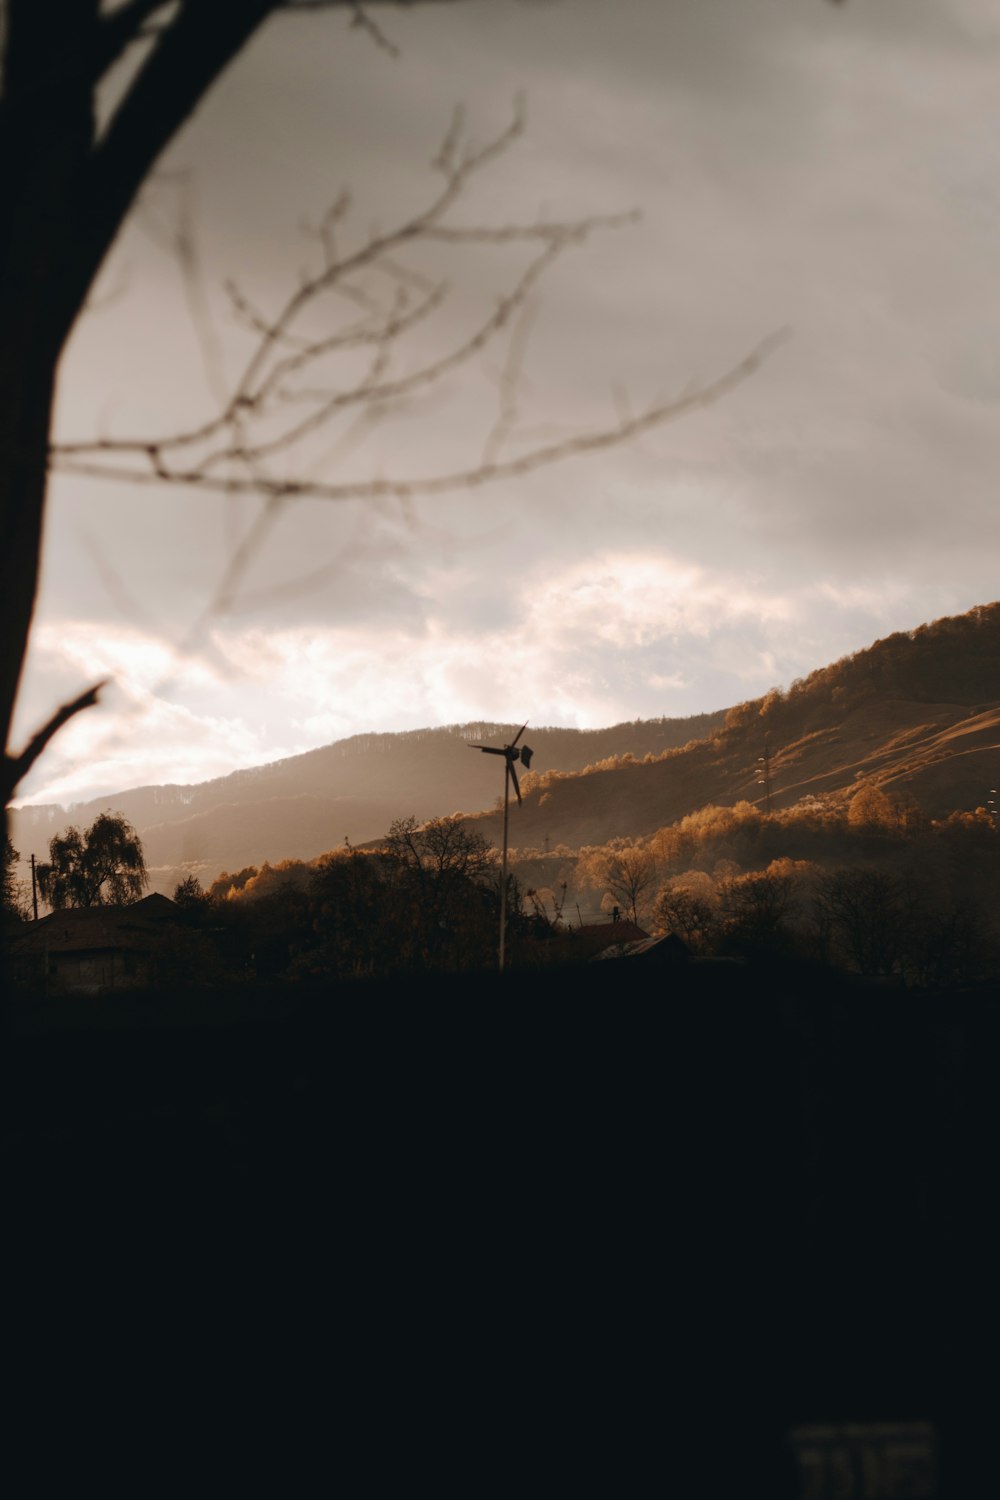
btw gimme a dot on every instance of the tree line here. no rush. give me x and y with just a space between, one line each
900 900
870 886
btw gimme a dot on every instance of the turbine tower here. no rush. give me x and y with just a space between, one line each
511 754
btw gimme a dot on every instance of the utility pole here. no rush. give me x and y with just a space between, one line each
764 772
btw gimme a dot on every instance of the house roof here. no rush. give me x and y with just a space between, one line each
669 949
90 929
593 937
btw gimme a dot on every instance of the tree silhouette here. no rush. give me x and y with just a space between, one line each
13 902
684 908
68 179
754 907
103 866
864 910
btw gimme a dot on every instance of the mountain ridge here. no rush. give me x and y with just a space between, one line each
352 788
918 713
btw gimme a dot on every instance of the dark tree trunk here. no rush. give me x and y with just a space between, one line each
46 133
27 376
65 192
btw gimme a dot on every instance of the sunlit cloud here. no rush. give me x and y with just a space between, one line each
628 601
137 662
820 168
628 636
142 731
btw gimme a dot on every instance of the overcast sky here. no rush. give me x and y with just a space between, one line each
829 170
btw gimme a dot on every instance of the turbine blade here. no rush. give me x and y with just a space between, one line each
487 749
513 777
519 734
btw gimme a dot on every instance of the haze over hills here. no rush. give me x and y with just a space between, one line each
918 712
300 807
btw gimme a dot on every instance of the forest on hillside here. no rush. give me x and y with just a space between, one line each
872 888
823 852
952 660
920 710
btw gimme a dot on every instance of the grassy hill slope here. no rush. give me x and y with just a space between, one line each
917 713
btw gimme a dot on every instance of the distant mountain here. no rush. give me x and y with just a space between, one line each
300 807
918 713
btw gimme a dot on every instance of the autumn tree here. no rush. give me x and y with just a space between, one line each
91 95
624 871
870 809
102 866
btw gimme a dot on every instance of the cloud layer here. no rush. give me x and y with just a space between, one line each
830 170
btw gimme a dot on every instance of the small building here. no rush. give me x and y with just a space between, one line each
94 950
670 950
594 937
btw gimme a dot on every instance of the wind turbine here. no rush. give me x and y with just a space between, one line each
511 754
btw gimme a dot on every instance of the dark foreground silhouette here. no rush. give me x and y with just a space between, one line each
652 1220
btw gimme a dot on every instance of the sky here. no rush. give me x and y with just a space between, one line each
830 173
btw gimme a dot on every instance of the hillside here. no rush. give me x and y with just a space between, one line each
304 805
917 713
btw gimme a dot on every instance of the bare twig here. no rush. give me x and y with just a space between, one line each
363 20
262 438
509 385
179 239
15 768
621 431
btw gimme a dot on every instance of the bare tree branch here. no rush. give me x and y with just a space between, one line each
118 30
68 178
15 768
261 440
260 418
626 427
363 20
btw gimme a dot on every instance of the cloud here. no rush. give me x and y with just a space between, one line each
163 718
627 635
825 168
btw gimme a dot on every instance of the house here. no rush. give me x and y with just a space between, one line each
594 937
94 950
669 950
